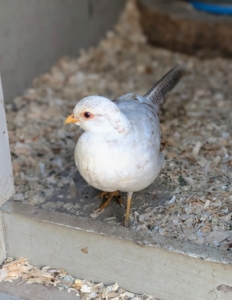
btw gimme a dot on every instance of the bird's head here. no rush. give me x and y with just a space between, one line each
98 114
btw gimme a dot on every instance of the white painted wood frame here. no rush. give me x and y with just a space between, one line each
6 176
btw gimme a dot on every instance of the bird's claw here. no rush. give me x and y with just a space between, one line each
110 196
121 203
96 213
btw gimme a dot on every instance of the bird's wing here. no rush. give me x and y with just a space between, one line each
130 96
162 87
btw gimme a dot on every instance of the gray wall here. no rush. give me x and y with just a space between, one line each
35 33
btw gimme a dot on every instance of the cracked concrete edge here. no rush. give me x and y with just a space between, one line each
164 268
142 239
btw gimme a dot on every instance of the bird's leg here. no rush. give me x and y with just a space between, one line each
128 206
110 197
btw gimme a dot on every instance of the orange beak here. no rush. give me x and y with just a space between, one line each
71 119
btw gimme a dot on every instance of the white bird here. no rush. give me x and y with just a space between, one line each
120 147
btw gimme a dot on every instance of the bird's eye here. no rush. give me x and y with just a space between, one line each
87 114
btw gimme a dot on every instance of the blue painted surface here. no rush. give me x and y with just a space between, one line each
8 297
220 9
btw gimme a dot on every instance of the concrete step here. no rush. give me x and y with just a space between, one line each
139 262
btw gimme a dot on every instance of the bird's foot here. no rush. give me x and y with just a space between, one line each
127 223
109 196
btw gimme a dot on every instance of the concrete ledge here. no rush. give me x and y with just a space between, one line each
142 263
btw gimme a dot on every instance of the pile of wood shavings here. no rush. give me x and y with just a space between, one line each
21 268
196 126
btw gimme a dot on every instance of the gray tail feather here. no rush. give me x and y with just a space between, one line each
159 91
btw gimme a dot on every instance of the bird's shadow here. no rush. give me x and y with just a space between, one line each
81 199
